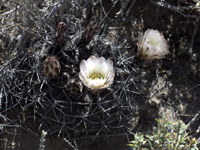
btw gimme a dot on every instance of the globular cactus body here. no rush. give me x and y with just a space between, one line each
64 105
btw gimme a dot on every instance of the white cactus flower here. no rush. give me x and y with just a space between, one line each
97 73
152 45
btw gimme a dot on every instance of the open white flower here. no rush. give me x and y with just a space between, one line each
97 73
152 45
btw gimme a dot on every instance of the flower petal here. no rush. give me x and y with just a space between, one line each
152 45
97 73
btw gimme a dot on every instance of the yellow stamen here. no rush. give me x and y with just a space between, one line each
95 76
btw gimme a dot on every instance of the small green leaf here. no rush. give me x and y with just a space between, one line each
150 137
150 144
157 141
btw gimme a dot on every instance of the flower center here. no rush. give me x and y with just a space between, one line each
96 76
154 42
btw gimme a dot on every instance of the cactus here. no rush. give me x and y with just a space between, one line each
88 33
51 67
60 36
63 106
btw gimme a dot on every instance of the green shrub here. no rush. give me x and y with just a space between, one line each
168 135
